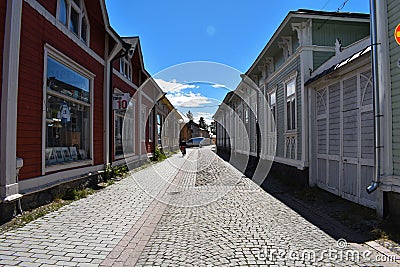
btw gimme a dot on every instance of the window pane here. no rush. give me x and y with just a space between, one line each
274 118
294 114
128 135
272 99
118 134
67 131
66 81
159 128
84 29
291 87
288 114
63 12
74 22
121 66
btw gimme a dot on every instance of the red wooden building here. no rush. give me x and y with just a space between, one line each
61 64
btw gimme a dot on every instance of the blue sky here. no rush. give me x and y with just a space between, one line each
229 32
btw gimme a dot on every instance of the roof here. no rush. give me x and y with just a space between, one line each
331 14
306 14
340 64
185 119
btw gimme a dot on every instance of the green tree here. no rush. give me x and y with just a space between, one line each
202 123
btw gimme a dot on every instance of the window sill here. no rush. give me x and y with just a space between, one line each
68 165
290 133
124 156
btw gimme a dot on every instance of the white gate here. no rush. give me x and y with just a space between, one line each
345 138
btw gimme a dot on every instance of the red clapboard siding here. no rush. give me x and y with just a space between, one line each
97 26
36 31
50 5
136 67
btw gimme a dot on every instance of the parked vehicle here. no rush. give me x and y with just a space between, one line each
195 142
198 142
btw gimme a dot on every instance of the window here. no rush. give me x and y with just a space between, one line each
68 115
125 67
159 127
272 106
124 124
72 14
74 22
290 90
150 123
63 12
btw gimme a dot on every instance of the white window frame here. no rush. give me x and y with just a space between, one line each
68 62
272 123
291 78
82 16
125 67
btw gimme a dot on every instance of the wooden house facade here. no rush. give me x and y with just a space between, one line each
62 66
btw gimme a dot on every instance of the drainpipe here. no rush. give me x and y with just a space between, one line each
377 111
126 48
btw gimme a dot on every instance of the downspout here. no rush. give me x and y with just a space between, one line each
377 110
126 48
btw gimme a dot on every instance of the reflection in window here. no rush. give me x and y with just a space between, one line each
74 22
272 105
84 29
159 127
125 67
124 125
72 14
63 12
63 80
67 115
291 105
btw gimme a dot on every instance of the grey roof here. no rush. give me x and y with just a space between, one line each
340 64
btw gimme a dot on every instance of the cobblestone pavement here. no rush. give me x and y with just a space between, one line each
191 211
86 231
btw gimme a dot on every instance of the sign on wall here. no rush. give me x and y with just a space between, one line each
397 34
121 101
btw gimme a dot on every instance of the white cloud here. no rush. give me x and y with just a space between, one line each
174 86
188 99
218 85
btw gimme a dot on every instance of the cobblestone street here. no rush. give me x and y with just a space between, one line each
191 211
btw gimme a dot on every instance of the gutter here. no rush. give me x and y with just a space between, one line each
376 93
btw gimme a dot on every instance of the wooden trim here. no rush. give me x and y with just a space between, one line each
122 77
49 51
286 21
45 181
65 30
9 98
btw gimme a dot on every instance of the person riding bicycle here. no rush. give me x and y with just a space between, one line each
182 146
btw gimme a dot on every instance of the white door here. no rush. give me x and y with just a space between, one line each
345 138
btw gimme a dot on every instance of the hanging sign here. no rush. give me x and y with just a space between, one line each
397 34
121 101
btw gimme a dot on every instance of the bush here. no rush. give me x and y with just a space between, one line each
158 155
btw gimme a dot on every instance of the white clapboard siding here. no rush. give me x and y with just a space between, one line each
334 136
